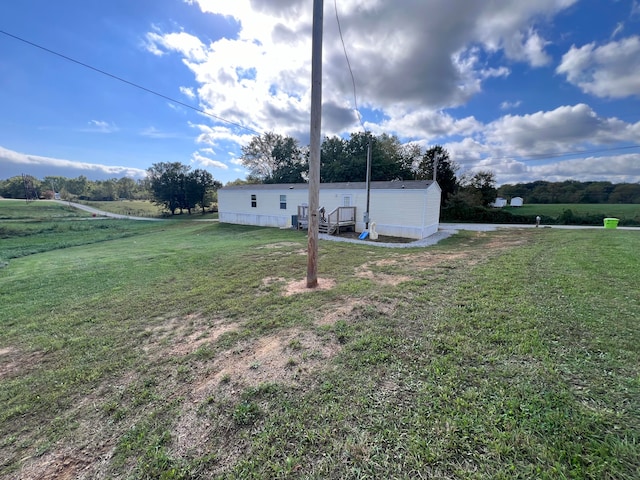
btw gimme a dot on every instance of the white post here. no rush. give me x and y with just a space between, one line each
368 184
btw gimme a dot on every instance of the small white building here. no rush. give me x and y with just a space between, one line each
407 209
499 202
516 202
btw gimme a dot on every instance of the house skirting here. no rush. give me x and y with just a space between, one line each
284 221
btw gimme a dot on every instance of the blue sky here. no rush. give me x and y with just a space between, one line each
544 90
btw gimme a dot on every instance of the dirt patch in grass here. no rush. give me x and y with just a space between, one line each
183 335
64 464
300 286
381 278
14 362
280 358
278 245
288 358
345 307
191 343
267 281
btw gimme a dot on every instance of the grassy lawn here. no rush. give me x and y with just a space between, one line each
184 350
136 208
143 208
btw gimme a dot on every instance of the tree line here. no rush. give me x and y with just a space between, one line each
571 191
172 185
79 188
274 158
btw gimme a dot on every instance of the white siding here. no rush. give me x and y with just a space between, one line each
234 206
407 213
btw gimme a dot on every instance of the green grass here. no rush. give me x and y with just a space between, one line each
168 350
136 208
35 227
142 208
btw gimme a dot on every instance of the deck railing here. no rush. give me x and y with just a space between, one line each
331 222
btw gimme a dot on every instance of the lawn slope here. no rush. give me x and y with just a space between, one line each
189 350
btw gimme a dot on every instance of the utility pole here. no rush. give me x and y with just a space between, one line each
435 166
366 214
315 144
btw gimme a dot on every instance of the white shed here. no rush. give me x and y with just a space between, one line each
499 202
408 209
516 202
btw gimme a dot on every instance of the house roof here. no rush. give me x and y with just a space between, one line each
392 185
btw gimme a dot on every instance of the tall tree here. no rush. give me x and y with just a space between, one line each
200 188
445 170
126 188
483 183
332 159
274 158
14 187
166 183
346 160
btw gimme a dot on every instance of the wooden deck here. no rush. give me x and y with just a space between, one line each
337 220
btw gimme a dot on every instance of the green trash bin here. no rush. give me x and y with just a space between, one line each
611 223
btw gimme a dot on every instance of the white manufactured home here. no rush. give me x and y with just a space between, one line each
408 209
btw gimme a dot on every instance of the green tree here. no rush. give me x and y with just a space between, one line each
483 185
166 181
445 170
21 187
77 186
126 188
625 193
274 158
346 160
200 188
333 154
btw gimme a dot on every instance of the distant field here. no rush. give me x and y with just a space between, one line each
629 214
137 208
36 227
556 209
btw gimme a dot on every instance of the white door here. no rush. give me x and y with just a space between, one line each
347 200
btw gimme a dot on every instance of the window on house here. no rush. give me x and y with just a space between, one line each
283 202
254 201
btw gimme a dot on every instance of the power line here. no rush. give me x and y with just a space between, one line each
120 79
346 56
547 156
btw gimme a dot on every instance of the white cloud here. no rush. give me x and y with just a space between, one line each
153 132
188 45
203 161
188 92
14 163
618 30
406 57
510 105
611 70
100 126
614 169
527 48
524 147
558 130
412 61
